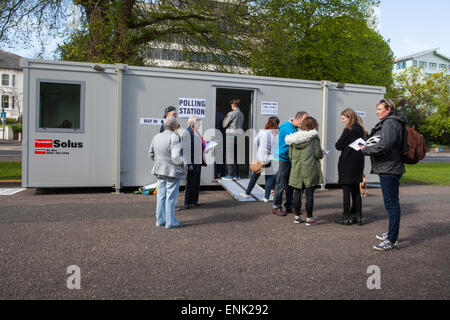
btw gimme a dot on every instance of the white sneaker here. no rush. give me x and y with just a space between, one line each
265 200
244 195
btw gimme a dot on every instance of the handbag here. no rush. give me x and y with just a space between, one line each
256 166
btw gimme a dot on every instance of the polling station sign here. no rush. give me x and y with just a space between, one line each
188 107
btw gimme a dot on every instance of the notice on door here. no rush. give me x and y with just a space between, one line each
188 107
269 108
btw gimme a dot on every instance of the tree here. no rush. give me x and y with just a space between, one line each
322 40
119 30
425 101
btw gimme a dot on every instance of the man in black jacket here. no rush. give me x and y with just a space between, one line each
385 156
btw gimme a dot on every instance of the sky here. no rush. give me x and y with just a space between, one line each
410 26
413 26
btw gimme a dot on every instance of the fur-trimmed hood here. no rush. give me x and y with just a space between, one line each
301 137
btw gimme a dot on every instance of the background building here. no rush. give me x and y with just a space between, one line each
11 85
431 61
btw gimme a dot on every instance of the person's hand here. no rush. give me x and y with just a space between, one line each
191 167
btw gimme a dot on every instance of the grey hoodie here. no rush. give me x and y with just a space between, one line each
386 154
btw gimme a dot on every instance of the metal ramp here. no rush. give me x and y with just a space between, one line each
236 187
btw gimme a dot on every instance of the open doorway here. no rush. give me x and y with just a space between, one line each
223 106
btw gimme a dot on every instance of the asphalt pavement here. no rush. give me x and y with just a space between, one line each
225 250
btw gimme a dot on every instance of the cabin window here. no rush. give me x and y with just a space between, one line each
61 106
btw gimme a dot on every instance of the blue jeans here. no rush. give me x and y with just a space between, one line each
167 192
270 182
390 185
282 183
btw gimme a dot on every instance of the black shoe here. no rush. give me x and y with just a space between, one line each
188 206
289 210
345 222
196 204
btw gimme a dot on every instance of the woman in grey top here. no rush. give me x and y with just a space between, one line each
166 152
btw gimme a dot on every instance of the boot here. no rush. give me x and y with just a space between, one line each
345 220
358 219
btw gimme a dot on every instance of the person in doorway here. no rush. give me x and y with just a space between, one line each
193 141
233 124
265 141
385 156
283 163
170 111
166 152
350 167
306 174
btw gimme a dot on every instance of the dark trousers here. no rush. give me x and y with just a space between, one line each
232 157
390 188
282 180
270 182
309 205
192 187
352 200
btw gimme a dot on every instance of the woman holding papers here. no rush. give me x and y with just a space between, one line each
193 150
351 166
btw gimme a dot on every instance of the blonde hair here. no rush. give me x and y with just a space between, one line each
192 120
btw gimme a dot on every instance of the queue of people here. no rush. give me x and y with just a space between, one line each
290 157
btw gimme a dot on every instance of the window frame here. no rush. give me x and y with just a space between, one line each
7 75
5 101
82 106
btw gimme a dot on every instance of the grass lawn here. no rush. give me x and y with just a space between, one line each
434 173
10 170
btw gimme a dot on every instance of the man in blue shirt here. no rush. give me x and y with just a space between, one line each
281 157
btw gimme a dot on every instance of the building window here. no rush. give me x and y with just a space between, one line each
422 64
5 79
399 66
433 65
13 80
61 106
414 63
5 102
442 66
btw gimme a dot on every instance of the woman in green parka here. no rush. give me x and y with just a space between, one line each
306 174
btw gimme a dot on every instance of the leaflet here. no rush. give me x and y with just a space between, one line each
357 144
210 145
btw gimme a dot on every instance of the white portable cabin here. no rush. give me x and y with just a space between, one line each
90 125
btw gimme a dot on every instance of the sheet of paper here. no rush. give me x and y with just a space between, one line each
210 145
357 144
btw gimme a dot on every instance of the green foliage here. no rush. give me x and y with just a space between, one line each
16 128
320 40
425 101
125 30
